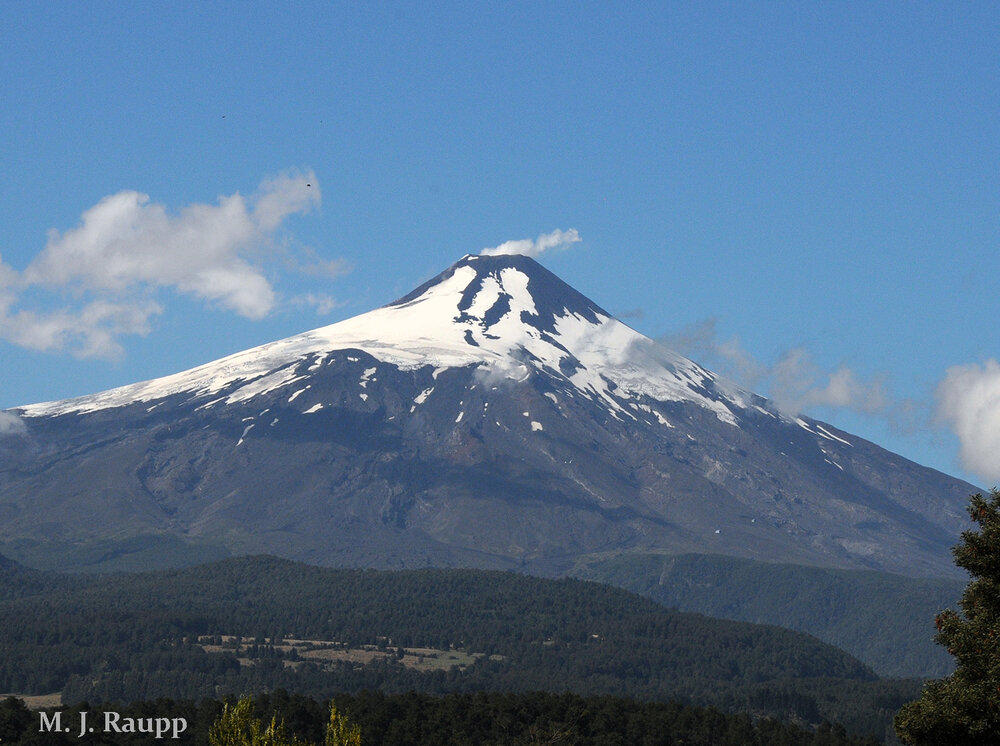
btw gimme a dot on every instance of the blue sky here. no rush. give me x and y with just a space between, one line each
804 196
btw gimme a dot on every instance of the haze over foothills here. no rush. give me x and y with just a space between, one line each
803 198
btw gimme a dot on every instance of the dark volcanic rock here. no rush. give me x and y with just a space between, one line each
492 418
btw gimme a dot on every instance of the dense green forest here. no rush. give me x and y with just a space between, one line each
847 608
130 637
413 719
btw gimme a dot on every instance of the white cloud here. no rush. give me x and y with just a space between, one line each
125 240
557 239
968 399
308 262
501 371
795 383
284 195
701 341
11 424
90 331
320 302
107 270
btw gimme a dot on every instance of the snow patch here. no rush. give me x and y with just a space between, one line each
247 429
269 382
830 436
486 298
516 282
536 426
662 420
295 395
820 431
659 417
610 362
313 408
318 363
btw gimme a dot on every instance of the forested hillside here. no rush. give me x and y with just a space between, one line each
885 620
137 637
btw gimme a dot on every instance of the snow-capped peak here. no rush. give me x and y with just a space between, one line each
505 314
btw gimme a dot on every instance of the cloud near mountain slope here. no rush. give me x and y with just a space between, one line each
100 280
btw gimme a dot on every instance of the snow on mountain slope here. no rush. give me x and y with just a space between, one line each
505 314
494 416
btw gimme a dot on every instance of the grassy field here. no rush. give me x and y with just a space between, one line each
37 701
318 651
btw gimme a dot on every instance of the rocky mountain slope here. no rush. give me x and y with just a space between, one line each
494 417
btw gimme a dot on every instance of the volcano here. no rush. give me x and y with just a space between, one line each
494 417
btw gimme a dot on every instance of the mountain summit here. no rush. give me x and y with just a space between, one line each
504 315
493 417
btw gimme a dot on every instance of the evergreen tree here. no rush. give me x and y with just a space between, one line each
15 718
965 707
